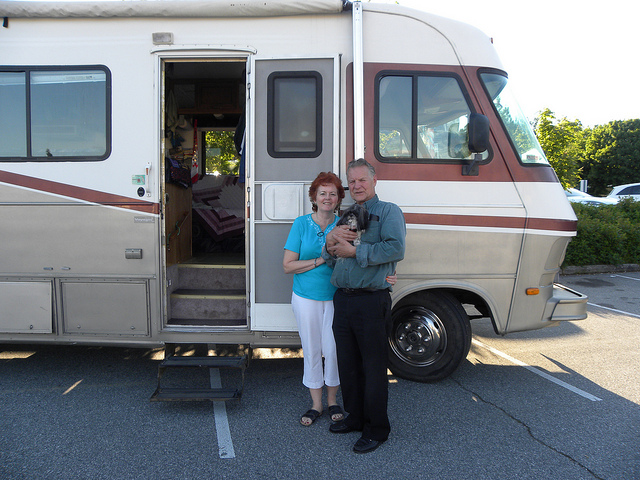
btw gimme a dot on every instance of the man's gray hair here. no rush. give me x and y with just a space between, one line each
361 162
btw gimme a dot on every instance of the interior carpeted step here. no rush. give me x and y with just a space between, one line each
208 304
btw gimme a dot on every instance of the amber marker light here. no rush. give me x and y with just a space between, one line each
533 291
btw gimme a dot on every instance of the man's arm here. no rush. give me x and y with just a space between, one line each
392 245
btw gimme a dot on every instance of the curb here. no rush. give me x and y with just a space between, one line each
587 269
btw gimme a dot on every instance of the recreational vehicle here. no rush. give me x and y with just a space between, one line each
117 227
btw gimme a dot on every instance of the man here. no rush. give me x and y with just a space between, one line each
363 307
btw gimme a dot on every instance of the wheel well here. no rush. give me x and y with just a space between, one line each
474 304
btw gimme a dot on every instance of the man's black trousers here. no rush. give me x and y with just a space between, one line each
360 330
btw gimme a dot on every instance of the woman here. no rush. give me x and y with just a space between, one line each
312 297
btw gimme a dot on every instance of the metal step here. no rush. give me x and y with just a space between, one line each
208 322
172 393
191 394
176 361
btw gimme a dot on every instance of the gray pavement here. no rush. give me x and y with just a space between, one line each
84 412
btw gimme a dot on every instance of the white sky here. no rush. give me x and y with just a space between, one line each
578 58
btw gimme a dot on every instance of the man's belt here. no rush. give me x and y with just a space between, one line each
361 291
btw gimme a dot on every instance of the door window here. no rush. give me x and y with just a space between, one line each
295 109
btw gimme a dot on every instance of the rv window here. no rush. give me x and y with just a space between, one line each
421 117
67 116
13 119
514 121
295 114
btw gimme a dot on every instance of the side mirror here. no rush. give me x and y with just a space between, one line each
478 133
478 142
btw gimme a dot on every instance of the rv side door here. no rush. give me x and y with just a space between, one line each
294 126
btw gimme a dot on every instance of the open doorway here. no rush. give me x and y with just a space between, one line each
204 209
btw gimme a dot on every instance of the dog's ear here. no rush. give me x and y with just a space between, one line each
362 216
365 219
343 219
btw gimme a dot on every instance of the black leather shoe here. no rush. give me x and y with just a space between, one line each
366 445
340 427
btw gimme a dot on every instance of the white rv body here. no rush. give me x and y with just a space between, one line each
96 245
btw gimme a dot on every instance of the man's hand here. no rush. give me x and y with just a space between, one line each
342 249
341 232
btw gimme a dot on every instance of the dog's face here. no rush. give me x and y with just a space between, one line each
352 221
357 218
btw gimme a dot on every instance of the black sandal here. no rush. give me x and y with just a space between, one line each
311 415
336 412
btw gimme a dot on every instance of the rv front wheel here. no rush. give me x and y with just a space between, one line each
429 336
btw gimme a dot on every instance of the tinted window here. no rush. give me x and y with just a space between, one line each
295 114
632 190
421 117
13 119
55 114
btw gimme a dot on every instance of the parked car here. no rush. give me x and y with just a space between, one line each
623 191
576 196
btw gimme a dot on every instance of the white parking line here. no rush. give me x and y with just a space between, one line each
582 393
225 444
628 278
614 310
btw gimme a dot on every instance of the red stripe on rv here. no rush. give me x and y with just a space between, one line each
492 222
79 193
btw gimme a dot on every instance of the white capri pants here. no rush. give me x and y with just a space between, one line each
315 320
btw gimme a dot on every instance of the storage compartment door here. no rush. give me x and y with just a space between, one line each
106 308
27 307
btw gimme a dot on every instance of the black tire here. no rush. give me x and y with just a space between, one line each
429 336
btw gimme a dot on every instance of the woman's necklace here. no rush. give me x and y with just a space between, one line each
322 223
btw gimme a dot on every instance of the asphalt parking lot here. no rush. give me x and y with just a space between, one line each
562 402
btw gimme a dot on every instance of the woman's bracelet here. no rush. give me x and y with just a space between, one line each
314 262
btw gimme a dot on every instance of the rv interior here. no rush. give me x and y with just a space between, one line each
204 208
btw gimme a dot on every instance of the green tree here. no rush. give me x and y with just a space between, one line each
612 155
221 153
563 144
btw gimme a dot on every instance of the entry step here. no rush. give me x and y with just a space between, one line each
187 393
202 362
190 394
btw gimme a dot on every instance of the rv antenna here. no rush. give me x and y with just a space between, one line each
358 83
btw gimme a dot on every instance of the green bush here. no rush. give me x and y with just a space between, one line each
607 235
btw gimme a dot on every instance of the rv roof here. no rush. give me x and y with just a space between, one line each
167 8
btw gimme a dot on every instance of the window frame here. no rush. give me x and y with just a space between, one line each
271 113
415 75
28 70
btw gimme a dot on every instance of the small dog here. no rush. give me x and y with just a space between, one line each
357 218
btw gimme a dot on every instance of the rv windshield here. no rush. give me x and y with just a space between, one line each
516 124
